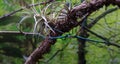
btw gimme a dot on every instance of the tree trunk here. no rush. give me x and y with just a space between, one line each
81 47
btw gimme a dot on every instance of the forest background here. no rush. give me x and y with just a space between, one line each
96 40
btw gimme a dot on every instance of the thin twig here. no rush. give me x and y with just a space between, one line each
101 16
103 38
16 33
56 53
14 12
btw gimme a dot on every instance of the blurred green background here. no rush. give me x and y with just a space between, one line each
15 48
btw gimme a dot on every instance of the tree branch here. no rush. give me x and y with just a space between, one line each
101 16
67 25
16 33
103 38
31 5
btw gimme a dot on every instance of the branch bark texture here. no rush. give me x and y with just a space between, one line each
65 26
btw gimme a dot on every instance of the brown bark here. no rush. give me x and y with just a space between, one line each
68 24
81 46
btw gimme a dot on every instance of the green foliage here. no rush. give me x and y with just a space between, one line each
14 47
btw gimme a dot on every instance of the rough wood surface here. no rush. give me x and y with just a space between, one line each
65 26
